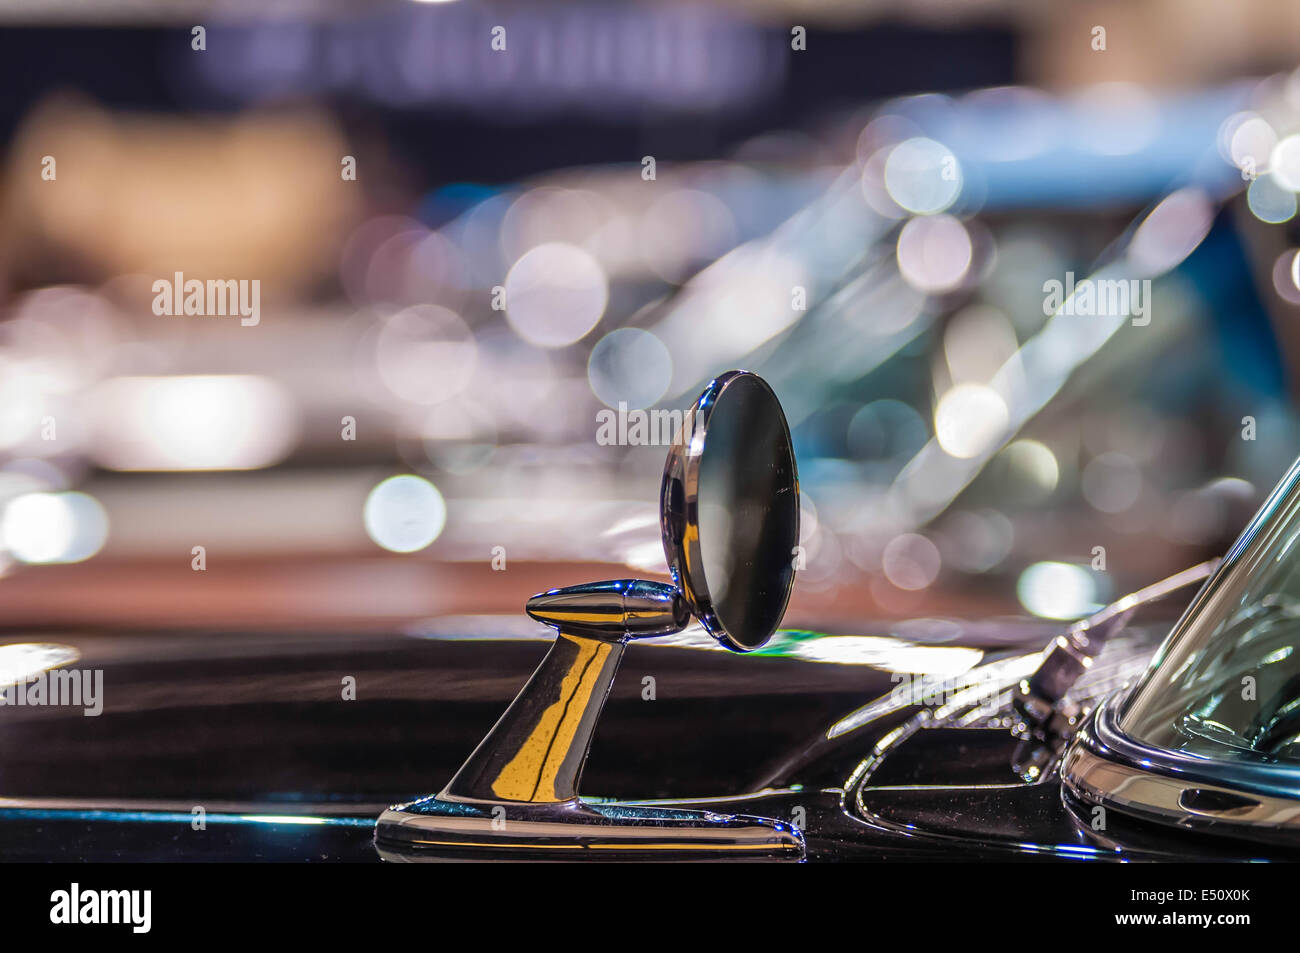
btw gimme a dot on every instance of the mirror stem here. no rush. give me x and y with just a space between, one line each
534 754
536 750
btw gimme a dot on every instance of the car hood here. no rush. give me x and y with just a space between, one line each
370 719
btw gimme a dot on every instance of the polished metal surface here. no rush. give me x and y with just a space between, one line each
1103 766
614 610
536 751
438 829
518 792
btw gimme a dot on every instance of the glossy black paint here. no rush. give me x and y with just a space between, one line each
251 727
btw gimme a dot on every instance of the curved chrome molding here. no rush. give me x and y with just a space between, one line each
1102 766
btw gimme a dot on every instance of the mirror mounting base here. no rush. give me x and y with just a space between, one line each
436 829
517 797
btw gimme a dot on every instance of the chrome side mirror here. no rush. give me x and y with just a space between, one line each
729 514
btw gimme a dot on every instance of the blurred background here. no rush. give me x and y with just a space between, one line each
477 227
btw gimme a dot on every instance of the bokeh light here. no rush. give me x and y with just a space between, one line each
1112 482
630 366
934 253
922 176
1284 163
555 294
425 354
199 422
1056 590
1269 202
1251 145
404 513
54 527
969 420
910 561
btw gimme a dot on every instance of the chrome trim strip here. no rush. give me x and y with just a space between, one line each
436 829
366 809
1102 766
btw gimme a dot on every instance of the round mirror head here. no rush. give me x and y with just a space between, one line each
729 510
